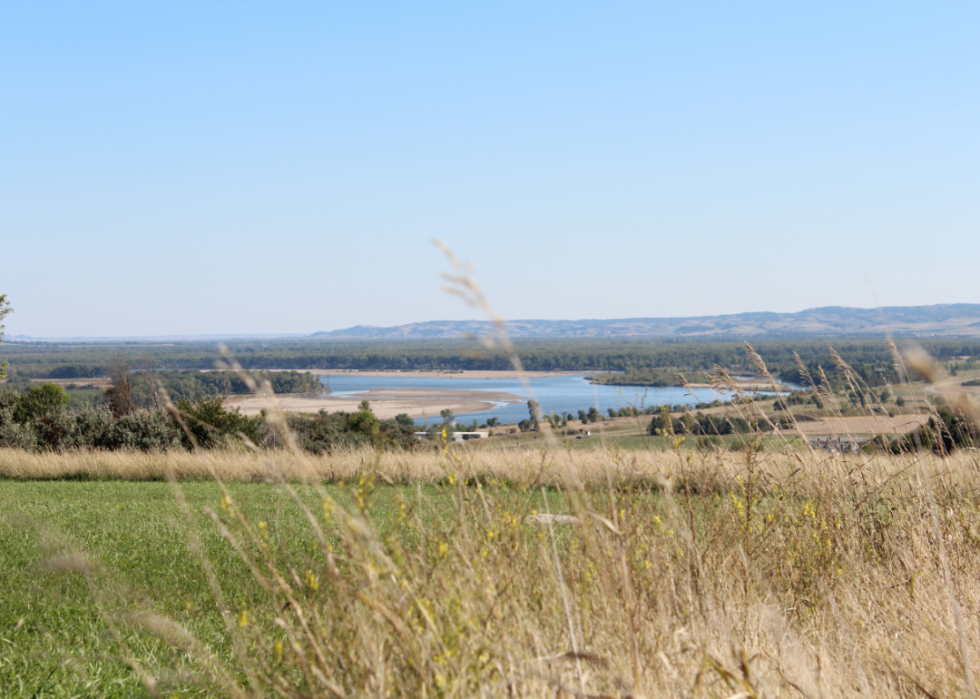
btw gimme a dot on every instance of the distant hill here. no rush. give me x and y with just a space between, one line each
142 339
958 319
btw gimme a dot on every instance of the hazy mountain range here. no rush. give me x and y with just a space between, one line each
141 339
955 319
958 319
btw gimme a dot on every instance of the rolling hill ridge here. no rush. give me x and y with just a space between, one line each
959 319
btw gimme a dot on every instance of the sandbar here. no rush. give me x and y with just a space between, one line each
386 403
475 374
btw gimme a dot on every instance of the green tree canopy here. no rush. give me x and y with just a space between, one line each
365 423
404 419
4 310
40 401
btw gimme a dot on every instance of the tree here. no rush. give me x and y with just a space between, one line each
534 408
150 384
4 310
447 428
594 414
534 411
583 416
662 424
40 401
120 394
492 422
404 419
210 424
364 422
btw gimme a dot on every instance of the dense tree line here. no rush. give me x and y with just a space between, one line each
704 425
644 360
947 430
654 378
143 389
195 385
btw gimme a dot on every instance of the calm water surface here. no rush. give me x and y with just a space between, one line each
555 393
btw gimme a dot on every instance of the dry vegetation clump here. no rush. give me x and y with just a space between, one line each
391 467
527 468
672 574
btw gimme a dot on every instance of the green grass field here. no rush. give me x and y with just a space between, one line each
55 641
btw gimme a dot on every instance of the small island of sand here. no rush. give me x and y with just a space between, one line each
386 403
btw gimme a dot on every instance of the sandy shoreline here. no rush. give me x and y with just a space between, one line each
386 403
477 374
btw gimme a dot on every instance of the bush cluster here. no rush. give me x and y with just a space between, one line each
706 425
947 430
56 428
40 419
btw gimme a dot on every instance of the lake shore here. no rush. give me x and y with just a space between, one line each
386 403
475 374
743 386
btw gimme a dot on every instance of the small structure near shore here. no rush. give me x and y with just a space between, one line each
460 436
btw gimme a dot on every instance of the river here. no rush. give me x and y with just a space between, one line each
565 393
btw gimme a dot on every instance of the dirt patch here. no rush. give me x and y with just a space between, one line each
879 424
953 386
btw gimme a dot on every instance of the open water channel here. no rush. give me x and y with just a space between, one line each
566 393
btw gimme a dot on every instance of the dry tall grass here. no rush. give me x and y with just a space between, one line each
684 574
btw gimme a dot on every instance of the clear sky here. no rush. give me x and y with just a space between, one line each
273 167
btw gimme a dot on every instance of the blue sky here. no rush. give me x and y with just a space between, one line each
273 167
